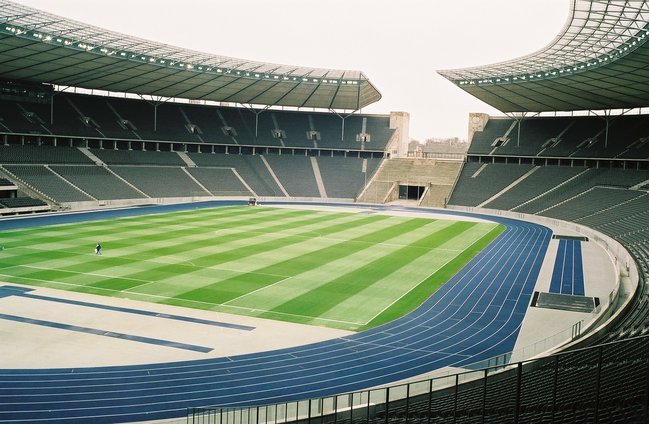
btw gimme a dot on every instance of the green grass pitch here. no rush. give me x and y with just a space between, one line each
338 269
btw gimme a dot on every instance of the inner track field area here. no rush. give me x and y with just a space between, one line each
343 270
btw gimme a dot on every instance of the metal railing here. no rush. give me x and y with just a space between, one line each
604 383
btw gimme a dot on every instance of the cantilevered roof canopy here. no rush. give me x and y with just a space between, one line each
599 61
39 47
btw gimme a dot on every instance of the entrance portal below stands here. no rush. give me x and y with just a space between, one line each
409 192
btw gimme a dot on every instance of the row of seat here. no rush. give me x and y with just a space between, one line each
136 175
80 115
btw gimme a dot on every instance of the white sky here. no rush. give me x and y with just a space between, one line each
398 44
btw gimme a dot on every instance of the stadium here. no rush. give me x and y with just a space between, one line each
271 254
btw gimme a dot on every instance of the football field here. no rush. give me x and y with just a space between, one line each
338 269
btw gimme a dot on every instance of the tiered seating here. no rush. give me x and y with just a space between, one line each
542 180
494 129
296 175
472 189
220 181
47 182
160 181
598 198
15 119
133 157
577 136
104 117
535 133
98 182
250 168
582 183
21 202
343 177
172 125
31 153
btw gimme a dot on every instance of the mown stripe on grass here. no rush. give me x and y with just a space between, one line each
122 232
200 261
224 289
430 285
318 301
143 243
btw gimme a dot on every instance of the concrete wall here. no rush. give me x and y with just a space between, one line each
477 122
398 146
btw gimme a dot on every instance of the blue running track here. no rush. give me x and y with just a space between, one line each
568 273
476 315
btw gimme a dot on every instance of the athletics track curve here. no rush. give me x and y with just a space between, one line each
476 315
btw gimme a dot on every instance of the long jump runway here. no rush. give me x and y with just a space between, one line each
475 316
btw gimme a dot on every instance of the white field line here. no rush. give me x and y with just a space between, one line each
83 273
425 278
144 282
226 304
183 300
258 290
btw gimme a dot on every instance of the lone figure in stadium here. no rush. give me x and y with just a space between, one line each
98 249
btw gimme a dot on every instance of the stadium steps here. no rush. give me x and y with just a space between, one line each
196 181
245 184
318 178
185 157
550 191
25 187
69 182
422 172
126 182
509 187
91 156
371 189
603 211
639 186
272 174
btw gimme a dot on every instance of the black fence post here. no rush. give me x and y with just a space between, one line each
519 378
598 383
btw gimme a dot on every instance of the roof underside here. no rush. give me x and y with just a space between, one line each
39 47
599 61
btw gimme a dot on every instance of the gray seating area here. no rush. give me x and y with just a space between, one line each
160 181
472 189
250 168
97 181
138 157
495 128
541 181
220 181
33 153
21 202
586 180
566 136
48 183
296 175
344 177
591 201
114 118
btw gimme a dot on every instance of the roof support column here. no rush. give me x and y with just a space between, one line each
257 113
155 102
342 117
519 118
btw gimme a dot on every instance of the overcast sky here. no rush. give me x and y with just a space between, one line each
398 44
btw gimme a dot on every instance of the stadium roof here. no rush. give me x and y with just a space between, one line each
599 61
39 47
